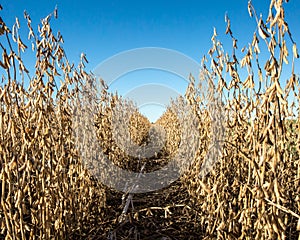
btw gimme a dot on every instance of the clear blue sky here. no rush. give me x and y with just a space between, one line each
102 29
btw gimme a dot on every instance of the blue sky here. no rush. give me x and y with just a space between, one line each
102 29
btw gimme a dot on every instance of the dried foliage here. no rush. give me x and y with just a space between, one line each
251 193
